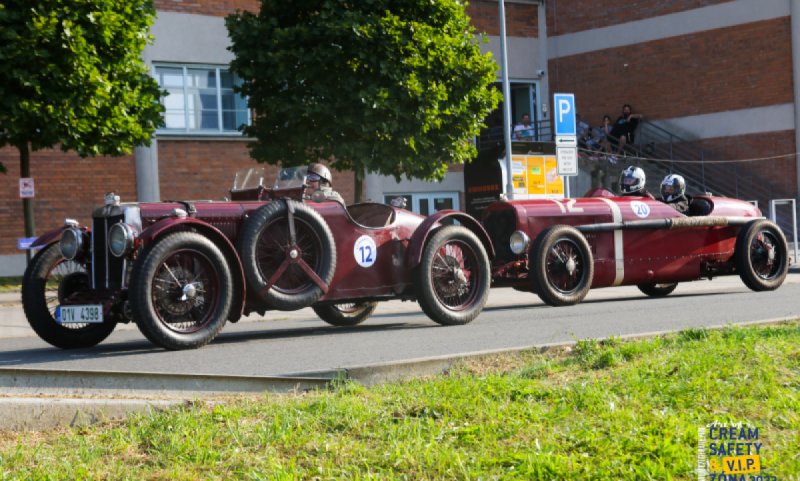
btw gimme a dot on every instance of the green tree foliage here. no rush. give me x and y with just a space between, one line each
71 75
397 87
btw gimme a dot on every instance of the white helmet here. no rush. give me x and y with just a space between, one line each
672 187
631 180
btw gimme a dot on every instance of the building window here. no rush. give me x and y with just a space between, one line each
426 203
200 100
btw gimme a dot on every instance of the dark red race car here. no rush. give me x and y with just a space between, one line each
560 249
182 269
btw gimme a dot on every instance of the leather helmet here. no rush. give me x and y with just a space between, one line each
322 171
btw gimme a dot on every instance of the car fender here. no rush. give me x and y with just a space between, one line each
423 231
48 237
175 224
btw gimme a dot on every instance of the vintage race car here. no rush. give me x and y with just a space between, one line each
559 249
181 269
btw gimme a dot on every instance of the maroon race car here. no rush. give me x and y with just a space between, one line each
181 269
559 249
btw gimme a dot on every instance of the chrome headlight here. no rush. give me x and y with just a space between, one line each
71 243
120 239
519 242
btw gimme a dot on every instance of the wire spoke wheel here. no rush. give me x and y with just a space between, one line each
761 255
185 291
453 268
561 266
763 249
452 279
345 314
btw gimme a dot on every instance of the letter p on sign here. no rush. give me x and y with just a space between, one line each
565 114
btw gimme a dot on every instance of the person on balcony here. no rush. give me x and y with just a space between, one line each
624 129
524 130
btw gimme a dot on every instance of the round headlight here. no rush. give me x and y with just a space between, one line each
120 239
519 242
71 242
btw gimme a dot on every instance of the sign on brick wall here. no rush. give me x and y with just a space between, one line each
26 190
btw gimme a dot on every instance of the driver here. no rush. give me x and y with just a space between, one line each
318 177
631 182
673 193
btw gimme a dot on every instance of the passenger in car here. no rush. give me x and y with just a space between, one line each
318 178
673 193
631 182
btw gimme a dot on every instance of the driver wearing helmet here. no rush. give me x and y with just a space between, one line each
318 178
631 183
673 192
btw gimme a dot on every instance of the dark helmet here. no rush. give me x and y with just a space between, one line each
672 187
320 171
631 180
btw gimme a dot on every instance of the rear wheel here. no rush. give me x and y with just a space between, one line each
658 290
48 281
181 291
345 314
762 255
562 267
452 279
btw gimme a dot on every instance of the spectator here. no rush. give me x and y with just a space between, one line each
524 130
624 129
584 132
608 142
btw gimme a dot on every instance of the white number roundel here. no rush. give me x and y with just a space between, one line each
365 251
640 209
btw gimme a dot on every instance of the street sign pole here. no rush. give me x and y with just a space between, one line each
566 138
506 100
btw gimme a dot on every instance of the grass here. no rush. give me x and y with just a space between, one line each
11 284
606 410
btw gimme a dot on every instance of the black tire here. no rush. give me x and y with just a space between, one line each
39 300
265 245
561 266
181 291
453 276
762 255
345 314
658 290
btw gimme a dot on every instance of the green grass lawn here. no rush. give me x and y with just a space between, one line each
604 411
10 284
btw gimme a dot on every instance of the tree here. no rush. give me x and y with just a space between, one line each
397 87
71 74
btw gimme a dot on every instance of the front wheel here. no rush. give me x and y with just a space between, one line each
658 290
48 281
453 276
345 314
181 291
761 255
562 267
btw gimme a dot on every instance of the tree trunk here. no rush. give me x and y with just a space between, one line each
358 178
27 204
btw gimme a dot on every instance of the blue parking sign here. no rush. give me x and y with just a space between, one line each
564 110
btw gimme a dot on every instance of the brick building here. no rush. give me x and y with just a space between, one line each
716 75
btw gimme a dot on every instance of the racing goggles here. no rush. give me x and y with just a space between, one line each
313 178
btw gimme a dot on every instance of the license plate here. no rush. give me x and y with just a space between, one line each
88 314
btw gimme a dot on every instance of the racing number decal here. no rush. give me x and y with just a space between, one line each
365 251
640 209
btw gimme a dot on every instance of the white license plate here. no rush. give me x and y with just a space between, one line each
88 314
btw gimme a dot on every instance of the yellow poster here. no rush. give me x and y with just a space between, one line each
536 177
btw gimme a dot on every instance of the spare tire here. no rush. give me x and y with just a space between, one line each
287 274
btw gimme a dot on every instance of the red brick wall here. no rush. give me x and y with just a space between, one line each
567 16
725 69
207 7
66 186
777 176
204 169
521 20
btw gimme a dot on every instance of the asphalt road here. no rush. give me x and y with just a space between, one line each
284 343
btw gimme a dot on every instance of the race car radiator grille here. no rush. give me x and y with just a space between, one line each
108 271
500 225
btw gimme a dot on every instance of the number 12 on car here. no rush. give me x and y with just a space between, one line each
365 251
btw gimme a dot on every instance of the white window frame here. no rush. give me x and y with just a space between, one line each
430 197
199 132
